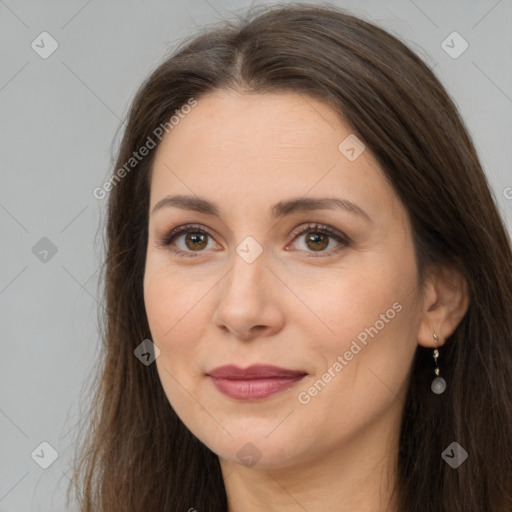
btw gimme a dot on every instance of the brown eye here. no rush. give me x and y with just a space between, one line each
196 240
317 241
318 237
188 240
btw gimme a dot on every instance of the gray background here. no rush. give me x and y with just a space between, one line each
60 116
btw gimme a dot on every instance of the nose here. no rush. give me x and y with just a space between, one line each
249 301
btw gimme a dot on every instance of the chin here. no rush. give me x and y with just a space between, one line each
258 452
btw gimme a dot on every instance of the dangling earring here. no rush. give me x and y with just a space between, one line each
438 384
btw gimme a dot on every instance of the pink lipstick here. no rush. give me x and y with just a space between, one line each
255 382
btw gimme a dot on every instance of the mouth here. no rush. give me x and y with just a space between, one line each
256 382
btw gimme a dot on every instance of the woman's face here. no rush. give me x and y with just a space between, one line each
261 281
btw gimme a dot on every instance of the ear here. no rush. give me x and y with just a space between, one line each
445 303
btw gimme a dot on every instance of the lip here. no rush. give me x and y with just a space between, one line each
255 382
255 371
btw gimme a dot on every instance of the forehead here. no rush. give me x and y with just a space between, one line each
264 146
287 124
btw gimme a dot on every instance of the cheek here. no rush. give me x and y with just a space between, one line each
169 296
172 305
160 304
341 303
362 370
367 314
173 314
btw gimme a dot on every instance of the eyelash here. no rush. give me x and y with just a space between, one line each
344 240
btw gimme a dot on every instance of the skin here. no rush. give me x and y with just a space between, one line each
245 152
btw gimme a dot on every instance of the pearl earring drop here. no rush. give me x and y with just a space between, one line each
438 384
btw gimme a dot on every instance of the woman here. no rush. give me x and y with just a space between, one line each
308 286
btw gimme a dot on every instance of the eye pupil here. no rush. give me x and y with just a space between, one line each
195 237
317 237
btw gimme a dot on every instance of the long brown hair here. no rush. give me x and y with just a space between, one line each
135 453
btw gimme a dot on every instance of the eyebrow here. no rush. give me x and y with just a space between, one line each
278 210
